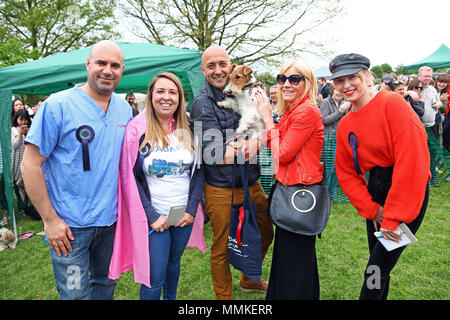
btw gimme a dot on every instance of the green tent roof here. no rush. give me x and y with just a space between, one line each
142 62
438 59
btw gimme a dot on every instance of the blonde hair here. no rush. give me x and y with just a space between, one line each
155 133
310 83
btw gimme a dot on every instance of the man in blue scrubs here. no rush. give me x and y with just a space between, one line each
70 169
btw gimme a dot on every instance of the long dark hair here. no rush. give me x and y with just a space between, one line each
21 113
12 109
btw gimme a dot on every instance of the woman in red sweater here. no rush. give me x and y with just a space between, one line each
381 135
296 144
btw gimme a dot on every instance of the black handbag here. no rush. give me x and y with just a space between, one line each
301 209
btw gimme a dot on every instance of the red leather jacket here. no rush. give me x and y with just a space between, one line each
296 144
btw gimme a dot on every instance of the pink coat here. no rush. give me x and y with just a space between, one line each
131 239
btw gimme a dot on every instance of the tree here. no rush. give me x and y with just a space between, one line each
250 30
379 70
30 29
267 78
386 68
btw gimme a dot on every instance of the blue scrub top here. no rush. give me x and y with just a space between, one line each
81 198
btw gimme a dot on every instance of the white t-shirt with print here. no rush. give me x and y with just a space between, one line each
168 175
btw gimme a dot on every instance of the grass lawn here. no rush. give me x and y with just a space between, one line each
422 272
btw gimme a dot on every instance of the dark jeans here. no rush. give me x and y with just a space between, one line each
384 261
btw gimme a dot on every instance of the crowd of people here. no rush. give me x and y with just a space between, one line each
106 178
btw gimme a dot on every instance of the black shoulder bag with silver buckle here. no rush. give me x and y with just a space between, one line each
301 209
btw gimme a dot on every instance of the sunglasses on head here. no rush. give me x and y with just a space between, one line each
293 79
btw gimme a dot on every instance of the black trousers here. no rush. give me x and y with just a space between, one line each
294 274
381 262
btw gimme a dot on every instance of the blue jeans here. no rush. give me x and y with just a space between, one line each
83 273
166 249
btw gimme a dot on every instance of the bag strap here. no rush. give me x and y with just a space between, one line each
244 179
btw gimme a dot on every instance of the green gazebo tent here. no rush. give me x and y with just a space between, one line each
62 71
438 59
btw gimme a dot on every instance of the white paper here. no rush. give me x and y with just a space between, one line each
407 238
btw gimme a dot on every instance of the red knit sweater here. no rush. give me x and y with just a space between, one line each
389 134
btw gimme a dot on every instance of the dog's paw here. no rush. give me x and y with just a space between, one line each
224 104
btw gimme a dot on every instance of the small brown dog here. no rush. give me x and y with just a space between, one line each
7 239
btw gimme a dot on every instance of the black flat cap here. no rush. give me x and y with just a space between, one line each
387 78
347 64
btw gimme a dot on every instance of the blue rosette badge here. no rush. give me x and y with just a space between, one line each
353 141
145 151
85 134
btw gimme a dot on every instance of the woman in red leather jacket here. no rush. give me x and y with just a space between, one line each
296 145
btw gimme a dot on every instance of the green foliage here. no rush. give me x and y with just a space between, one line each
267 78
30 29
379 70
420 274
249 30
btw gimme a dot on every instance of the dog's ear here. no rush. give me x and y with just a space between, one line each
247 70
10 236
233 67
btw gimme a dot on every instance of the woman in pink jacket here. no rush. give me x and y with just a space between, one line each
158 172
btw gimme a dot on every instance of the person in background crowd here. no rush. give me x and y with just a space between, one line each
332 109
441 85
273 96
36 107
131 99
17 104
432 100
404 79
432 104
398 87
216 67
415 97
71 173
325 92
383 136
386 82
19 129
298 147
446 124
